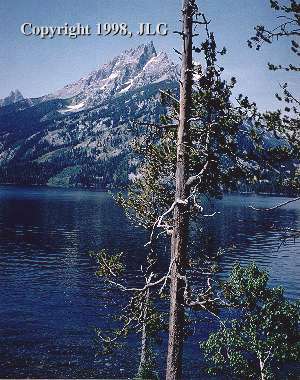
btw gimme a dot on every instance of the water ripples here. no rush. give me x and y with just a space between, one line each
51 300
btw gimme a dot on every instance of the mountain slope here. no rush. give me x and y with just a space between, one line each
80 134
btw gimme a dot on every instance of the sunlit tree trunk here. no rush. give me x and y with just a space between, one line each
145 338
180 219
262 369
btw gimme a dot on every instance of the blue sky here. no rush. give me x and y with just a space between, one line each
37 67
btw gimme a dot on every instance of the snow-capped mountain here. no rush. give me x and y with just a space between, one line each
80 134
132 70
13 97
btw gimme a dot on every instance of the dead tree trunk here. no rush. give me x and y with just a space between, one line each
145 338
180 218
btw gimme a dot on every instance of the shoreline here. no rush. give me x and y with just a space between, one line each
107 190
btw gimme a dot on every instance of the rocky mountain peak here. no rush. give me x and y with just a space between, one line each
13 97
132 69
145 51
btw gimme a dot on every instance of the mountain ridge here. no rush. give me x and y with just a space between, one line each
79 135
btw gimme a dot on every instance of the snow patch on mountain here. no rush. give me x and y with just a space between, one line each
75 107
127 88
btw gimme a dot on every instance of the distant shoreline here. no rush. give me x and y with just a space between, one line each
106 190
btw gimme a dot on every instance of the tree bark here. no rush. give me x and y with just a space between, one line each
144 343
262 369
180 217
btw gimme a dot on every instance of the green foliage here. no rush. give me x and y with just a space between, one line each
153 188
108 265
147 369
225 145
139 316
245 286
264 338
69 168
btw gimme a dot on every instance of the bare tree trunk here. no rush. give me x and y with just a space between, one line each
144 344
180 218
262 369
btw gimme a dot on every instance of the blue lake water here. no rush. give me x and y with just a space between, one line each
51 301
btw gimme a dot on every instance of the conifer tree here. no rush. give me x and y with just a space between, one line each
206 144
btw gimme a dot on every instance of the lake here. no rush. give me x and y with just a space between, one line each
51 301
